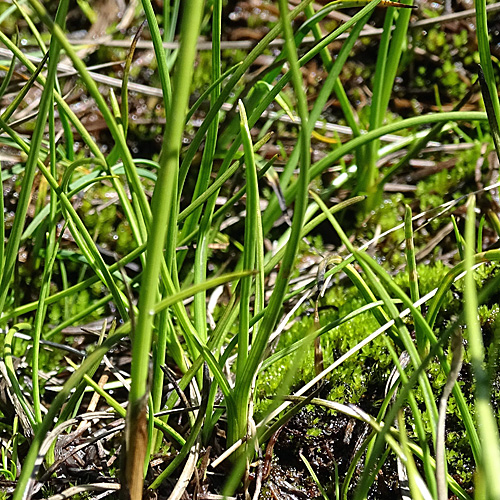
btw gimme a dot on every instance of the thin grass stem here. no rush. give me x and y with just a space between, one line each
489 463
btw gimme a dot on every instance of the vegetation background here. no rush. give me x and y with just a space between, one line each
249 249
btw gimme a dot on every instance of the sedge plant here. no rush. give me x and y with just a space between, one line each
173 234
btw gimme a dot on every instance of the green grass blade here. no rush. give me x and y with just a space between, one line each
459 238
249 252
142 209
68 134
367 174
426 325
388 285
314 477
309 338
81 235
456 349
417 488
357 22
50 257
159 53
483 43
48 421
194 435
113 403
2 229
217 184
32 26
26 308
417 145
271 314
491 110
487 423
8 352
126 73
85 135
330 159
27 86
377 450
382 289
12 248
389 55
408 123
10 72
202 182
164 215
347 109
229 87
444 287
209 90
422 342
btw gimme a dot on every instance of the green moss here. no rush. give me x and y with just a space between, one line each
436 40
314 431
124 238
203 72
55 313
351 381
434 190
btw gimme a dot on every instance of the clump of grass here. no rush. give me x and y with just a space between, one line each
170 237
